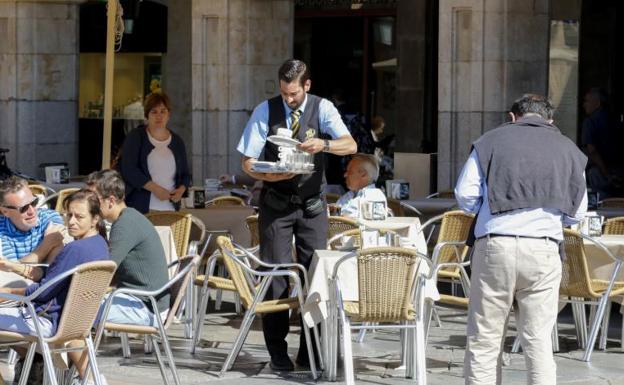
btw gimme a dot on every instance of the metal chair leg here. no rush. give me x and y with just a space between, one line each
219 296
125 345
161 363
600 312
167 348
362 334
348 354
30 355
238 342
604 330
48 366
436 316
199 318
93 361
555 337
189 311
147 344
12 359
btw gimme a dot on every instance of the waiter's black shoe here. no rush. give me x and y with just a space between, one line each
282 363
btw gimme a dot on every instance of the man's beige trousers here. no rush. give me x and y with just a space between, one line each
504 269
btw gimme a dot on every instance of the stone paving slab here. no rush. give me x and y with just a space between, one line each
376 359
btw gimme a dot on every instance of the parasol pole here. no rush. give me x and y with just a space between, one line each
108 83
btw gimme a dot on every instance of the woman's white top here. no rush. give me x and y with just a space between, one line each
162 167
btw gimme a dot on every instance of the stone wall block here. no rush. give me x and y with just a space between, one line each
52 122
238 87
240 31
60 152
463 86
47 77
53 36
8 9
8 76
217 7
527 49
493 31
523 7
283 9
494 82
7 33
199 133
260 10
33 10
240 8
263 84
445 70
7 120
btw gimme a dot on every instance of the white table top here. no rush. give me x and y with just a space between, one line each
599 263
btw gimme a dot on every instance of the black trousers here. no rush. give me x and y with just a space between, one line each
276 242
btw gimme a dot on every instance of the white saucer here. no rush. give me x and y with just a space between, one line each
280 140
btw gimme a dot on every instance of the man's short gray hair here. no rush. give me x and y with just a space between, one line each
370 165
11 185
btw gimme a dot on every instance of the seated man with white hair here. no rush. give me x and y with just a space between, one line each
362 172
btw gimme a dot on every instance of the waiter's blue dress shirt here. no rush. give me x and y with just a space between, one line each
255 134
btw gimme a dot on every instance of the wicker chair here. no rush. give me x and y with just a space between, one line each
39 189
579 288
89 283
180 224
339 225
57 197
253 297
391 295
614 226
252 225
448 257
227 200
177 289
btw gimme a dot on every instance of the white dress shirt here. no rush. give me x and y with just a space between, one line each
472 196
349 203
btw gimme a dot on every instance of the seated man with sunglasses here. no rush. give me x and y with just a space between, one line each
27 234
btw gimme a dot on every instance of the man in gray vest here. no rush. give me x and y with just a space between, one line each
524 179
292 205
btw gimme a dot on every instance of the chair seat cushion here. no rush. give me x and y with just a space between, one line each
451 274
352 310
124 328
8 337
277 305
453 300
215 282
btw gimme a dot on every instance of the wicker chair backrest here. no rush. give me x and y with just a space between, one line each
386 277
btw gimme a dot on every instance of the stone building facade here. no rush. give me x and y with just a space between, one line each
222 61
39 82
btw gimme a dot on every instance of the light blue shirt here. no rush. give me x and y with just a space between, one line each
349 203
255 134
472 196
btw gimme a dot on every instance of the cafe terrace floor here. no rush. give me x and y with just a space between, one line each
376 358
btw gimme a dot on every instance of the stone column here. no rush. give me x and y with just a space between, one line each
410 93
490 53
39 76
237 47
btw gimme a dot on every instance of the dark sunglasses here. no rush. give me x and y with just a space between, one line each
23 209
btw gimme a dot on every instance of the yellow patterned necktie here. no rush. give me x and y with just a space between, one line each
294 123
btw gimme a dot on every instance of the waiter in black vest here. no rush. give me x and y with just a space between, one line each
292 205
